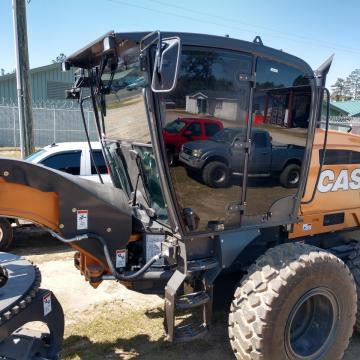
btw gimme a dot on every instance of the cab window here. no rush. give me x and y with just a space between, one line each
281 114
99 161
68 162
211 129
193 129
213 86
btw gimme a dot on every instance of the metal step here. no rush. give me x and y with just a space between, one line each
190 332
192 300
201 265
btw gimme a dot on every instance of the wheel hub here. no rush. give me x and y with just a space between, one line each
218 175
294 177
312 324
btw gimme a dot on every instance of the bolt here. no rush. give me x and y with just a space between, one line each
73 210
6 173
108 230
61 226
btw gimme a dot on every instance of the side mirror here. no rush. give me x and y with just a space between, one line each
187 133
166 65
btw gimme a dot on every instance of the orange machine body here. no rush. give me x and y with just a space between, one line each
338 188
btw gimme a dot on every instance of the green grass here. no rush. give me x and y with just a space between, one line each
115 331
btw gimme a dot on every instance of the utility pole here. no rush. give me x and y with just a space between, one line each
23 78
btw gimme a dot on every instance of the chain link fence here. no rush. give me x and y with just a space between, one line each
54 121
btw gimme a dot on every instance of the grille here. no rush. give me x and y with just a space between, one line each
187 151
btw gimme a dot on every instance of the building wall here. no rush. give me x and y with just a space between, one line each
47 83
228 111
191 105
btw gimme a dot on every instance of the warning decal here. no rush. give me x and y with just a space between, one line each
82 219
120 258
47 304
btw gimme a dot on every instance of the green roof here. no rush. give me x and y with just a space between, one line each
352 107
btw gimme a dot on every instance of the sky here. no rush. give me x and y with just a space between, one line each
309 29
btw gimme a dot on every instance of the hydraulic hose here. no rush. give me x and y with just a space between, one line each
115 273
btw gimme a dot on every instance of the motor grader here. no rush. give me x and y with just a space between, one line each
294 249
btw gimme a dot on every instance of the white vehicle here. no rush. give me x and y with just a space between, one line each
71 157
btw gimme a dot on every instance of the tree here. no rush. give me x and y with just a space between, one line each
60 58
354 84
347 89
338 90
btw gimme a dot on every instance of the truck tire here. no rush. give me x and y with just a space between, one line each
354 265
296 302
290 176
216 174
6 234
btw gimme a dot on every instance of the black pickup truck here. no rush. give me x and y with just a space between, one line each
223 155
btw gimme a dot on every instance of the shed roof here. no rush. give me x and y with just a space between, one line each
352 107
32 71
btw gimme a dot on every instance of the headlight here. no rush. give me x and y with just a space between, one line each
196 153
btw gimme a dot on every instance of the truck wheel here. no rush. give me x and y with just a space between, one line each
296 302
290 176
354 265
6 234
216 174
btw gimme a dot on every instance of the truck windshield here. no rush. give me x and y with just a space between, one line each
226 135
175 126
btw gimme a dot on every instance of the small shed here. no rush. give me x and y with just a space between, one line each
221 104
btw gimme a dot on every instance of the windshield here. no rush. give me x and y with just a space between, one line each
226 135
126 130
175 126
125 109
35 155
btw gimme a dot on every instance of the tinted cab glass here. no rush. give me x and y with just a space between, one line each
213 87
68 162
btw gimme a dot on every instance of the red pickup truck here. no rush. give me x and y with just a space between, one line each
183 130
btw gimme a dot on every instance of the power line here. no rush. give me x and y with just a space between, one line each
227 19
318 43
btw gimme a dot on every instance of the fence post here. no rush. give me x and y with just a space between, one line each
88 123
54 136
14 117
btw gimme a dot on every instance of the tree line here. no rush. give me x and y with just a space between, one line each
348 88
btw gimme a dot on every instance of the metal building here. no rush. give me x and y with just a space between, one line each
48 83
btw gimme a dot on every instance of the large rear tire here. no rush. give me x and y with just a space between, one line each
297 302
354 265
6 234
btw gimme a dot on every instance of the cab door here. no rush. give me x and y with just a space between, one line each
211 196
269 198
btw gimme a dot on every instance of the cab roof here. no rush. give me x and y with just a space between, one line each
90 55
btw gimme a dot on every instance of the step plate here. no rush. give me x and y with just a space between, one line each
192 300
190 332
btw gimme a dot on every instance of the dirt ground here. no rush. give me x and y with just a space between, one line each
112 322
